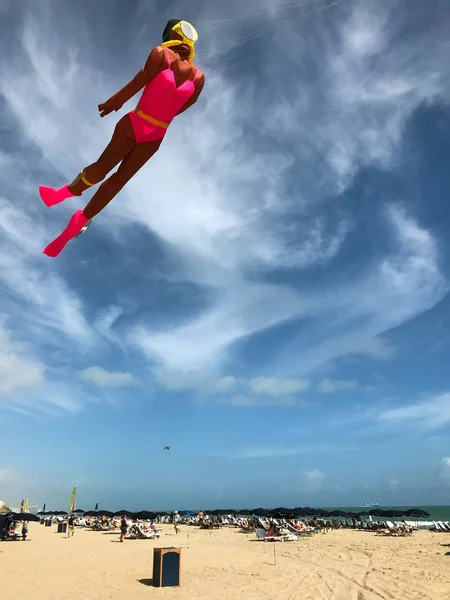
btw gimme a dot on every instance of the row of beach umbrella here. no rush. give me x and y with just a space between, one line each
280 512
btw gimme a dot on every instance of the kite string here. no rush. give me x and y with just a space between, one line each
250 12
299 20
223 22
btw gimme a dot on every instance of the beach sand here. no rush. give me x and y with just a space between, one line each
227 565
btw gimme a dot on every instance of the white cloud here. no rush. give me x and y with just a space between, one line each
404 283
41 300
248 400
197 380
431 413
279 451
331 386
312 480
18 373
444 469
238 312
274 386
106 379
8 475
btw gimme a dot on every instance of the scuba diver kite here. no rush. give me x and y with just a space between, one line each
172 83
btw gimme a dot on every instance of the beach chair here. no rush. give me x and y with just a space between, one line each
142 535
261 534
300 533
288 536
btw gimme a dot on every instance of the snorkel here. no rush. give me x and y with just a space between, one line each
187 32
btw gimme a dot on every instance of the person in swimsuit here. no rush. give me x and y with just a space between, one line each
172 84
71 528
123 527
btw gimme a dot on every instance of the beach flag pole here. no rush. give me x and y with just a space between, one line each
275 554
188 539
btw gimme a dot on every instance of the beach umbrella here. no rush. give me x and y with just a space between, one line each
90 513
321 512
244 512
281 515
418 513
338 513
144 515
78 511
396 514
259 512
104 513
119 513
24 517
299 512
280 510
188 513
316 512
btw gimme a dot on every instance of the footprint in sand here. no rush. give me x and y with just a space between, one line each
361 596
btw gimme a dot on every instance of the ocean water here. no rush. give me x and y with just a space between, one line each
438 513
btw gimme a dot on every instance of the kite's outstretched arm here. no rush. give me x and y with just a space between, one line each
151 68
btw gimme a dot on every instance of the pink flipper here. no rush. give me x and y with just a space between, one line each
76 224
51 196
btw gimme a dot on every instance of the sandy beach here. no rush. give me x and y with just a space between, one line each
227 564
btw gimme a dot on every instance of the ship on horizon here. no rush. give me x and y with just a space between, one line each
371 505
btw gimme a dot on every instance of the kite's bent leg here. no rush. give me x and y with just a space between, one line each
76 224
106 192
131 164
122 143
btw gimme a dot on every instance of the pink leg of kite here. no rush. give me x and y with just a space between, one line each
51 196
76 224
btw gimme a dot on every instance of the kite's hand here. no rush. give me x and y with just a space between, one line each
108 107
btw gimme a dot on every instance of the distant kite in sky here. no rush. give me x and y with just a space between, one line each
167 448
172 84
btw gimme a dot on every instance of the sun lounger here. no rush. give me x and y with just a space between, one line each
143 535
287 537
262 535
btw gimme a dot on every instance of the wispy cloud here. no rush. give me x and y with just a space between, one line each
431 413
312 480
18 373
279 451
444 469
278 387
330 386
9 475
107 379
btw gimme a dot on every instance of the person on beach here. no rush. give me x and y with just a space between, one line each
71 528
24 531
176 520
123 528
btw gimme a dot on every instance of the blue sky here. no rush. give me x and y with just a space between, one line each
269 295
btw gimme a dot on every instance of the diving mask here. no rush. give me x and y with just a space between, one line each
189 36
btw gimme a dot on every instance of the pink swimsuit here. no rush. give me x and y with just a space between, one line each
161 100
